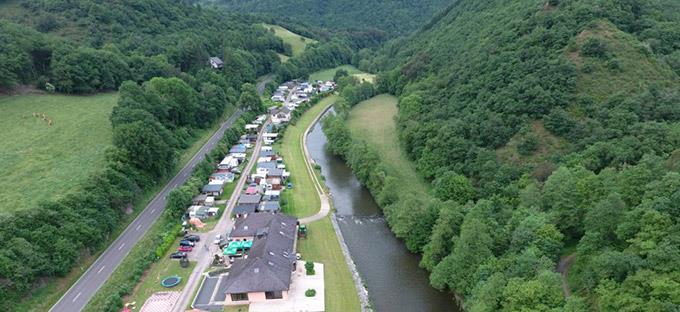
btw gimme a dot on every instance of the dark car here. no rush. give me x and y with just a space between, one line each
178 255
192 238
186 243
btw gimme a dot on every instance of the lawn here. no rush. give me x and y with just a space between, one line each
302 200
327 74
40 162
151 282
297 42
322 246
373 121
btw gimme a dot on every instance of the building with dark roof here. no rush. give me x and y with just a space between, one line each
265 271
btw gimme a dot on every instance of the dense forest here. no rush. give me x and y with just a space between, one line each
549 131
393 17
155 53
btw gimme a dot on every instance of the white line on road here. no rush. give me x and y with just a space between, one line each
121 246
153 210
139 226
100 269
76 297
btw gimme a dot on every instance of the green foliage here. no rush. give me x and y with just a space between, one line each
455 187
599 75
392 16
310 292
93 46
250 100
309 268
594 47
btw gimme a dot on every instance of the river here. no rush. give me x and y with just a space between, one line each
395 282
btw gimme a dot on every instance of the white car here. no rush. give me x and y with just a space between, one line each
218 239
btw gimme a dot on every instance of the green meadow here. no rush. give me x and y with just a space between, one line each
40 161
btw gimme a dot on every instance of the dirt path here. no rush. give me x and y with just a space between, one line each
563 268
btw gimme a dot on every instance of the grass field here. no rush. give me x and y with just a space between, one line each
321 245
373 121
41 162
297 42
302 200
327 74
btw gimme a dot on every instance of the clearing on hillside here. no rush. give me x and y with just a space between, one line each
297 42
40 161
327 74
373 121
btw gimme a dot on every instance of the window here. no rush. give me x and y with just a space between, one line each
239 297
273 295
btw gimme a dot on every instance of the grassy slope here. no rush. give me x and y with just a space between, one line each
302 201
373 121
327 74
40 162
637 68
297 42
321 245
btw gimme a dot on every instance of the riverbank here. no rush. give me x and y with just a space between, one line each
321 245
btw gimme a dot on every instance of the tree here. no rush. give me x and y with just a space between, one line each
445 229
543 293
457 270
455 187
249 99
149 144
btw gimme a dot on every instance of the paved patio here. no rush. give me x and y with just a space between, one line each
160 301
297 301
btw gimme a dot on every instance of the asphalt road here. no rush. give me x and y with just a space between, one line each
86 287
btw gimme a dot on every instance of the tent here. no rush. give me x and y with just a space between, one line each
233 248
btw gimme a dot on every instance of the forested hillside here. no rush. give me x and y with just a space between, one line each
155 52
564 118
394 17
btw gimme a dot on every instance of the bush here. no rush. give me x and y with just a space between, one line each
309 267
310 292
594 48
527 144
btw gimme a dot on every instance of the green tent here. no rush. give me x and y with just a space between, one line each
233 247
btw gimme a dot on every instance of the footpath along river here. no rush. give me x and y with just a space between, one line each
395 282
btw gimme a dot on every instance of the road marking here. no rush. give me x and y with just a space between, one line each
121 246
139 226
153 210
76 297
100 270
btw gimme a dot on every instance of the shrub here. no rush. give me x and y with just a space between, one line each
310 292
309 267
594 48
528 144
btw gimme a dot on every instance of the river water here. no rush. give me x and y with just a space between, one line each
395 282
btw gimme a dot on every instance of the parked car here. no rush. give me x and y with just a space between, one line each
218 239
185 248
178 255
185 242
192 238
